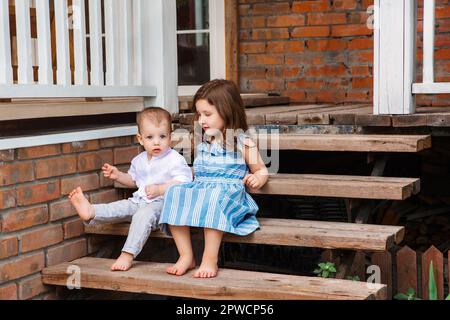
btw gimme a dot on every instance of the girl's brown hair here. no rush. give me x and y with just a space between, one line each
225 96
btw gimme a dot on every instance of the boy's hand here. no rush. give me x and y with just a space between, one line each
152 191
252 181
110 171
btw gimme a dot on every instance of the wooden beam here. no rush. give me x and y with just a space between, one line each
151 277
342 142
41 108
300 233
341 186
232 40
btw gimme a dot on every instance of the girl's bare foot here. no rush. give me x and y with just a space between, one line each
123 263
84 208
208 269
182 266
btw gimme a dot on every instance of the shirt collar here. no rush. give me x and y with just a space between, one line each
162 155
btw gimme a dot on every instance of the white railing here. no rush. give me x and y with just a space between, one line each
395 60
139 52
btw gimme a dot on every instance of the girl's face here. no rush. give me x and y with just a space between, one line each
209 118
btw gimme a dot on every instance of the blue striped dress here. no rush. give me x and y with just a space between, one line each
217 198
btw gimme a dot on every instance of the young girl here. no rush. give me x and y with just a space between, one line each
217 200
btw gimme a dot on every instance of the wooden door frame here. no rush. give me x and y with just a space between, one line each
232 40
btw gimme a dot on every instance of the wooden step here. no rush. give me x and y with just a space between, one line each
250 100
151 278
338 186
341 186
301 233
330 142
346 142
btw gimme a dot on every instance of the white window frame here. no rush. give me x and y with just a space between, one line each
216 42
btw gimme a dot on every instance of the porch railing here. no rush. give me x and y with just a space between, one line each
395 62
94 48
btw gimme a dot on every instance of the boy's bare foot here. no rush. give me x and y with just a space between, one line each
123 263
84 208
208 269
182 266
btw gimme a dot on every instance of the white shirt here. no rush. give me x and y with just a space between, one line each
170 165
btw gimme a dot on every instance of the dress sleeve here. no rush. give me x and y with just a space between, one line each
244 140
181 171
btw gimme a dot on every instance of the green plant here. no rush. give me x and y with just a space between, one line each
353 278
432 289
326 270
409 295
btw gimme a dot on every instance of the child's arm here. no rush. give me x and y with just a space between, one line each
157 190
115 174
259 173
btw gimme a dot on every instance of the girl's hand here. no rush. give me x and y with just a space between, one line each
152 191
252 181
110 171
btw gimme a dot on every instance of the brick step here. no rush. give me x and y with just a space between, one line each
332 142
301 233
151 278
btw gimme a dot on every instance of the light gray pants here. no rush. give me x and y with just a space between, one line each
144 218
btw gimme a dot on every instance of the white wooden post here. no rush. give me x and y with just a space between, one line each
160 52
126 41
394 56
5 45
112 45
63 74
95 36
137 42
79 39
24 49
44 42
428 41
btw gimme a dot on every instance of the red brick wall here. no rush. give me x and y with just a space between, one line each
321 50
38 226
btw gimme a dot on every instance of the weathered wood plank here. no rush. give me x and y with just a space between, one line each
384 261
150 277
433 254
41 108
341 186
269 100
406 270
370 120
352 142
415 120
315 234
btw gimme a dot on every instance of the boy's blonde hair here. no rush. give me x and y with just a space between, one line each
156 115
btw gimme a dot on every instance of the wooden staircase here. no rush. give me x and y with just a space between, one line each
150 277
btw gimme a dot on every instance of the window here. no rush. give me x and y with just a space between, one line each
201 43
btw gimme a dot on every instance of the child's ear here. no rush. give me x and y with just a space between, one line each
139 137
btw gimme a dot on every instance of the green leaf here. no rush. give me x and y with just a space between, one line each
325 274
322 265
448 297
401 296
411 292
332 269
432 289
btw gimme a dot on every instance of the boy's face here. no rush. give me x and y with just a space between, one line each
153 137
